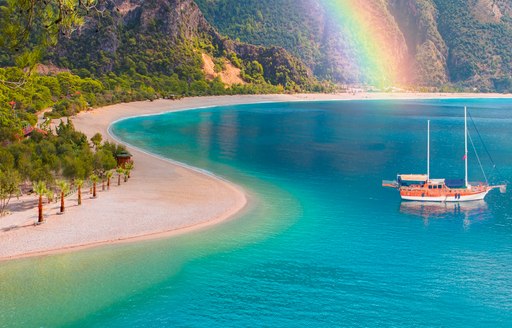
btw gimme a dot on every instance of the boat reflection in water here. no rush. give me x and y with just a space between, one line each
469 211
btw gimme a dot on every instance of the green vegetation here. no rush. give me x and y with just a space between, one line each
290 24
480 44
28 27
120 57
53 160
108 176
67 93
9 187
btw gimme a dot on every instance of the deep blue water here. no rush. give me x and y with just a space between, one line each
323 244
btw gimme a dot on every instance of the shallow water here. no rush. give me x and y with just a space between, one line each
323 244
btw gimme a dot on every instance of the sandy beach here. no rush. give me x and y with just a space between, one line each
162 197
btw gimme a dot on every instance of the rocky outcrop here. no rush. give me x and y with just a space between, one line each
279 66
159 27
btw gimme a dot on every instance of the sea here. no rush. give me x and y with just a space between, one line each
322 243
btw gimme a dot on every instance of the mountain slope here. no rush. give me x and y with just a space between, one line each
467 43
418 22
363 43
165 37
309 30
478 34
291 24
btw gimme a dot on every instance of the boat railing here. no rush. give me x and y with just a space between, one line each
412 187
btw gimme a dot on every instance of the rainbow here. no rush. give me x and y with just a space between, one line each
374 44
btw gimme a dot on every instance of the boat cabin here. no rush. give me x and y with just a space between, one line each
419 181
408 180
436 184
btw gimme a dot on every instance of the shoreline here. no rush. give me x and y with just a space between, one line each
170 197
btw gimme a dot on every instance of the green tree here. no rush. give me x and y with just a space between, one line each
96 140
29 26
113 148
103 161
253 72
9 187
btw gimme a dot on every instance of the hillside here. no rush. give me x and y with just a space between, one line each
478 34
434 43
291 24
166 37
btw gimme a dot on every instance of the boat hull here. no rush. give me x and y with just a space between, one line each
449 198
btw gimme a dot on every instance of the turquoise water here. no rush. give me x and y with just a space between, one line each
323 244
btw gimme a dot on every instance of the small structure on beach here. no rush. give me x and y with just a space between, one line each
123 158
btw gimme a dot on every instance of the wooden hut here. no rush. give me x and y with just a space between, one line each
123 158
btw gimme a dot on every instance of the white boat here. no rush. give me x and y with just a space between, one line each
420 187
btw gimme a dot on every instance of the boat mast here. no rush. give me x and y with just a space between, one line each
466 147
428 150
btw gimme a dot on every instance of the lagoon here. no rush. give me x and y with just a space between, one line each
322 244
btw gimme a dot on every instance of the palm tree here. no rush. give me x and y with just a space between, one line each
64 189
94 179
79 183
109 175
119 171
125 175
40 190
128 167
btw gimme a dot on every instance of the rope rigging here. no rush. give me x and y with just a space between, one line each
478 158
486 150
